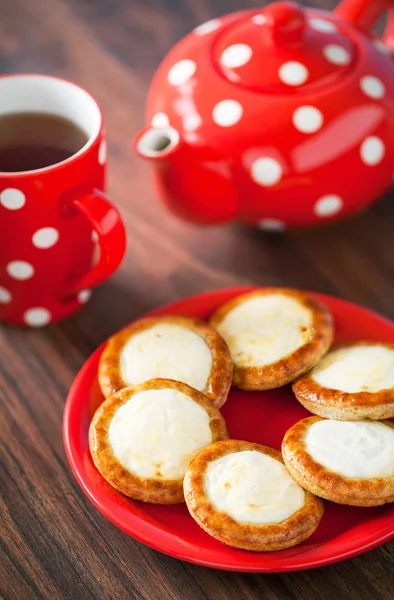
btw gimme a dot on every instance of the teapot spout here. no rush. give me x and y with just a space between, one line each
157 143
195 181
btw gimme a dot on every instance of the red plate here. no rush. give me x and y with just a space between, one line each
255 416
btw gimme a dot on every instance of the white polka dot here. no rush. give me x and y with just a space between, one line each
372 150
95 237
227 112
382 47
20 269
293 73
12 198
307 119
272 225
259 19
322 25
207 27
45 237
181 72
236 55
5 296
192 121
102 155
84 296
337 54
266 171
372 87
37 317
328 205
160 120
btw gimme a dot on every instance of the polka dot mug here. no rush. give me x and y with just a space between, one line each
279 117
52 218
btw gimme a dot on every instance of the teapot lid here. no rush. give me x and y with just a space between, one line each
283 50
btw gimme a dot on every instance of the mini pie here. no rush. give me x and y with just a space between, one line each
274 335
169 347
348 462
241 494
353 382
142 438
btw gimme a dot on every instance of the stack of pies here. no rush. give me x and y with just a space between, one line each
160 437
164 379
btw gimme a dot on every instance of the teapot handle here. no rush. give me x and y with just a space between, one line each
364 14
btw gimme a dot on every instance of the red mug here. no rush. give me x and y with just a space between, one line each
52 218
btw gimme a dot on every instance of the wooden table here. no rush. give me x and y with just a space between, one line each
54 543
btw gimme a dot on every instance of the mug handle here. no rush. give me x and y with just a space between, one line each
364 14
107 222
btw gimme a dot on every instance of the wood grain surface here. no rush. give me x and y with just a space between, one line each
54 544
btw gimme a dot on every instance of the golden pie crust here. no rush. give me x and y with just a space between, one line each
327 484
296 363
344 406
219 381
157 491
249 536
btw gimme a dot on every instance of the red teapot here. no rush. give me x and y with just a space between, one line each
281 117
